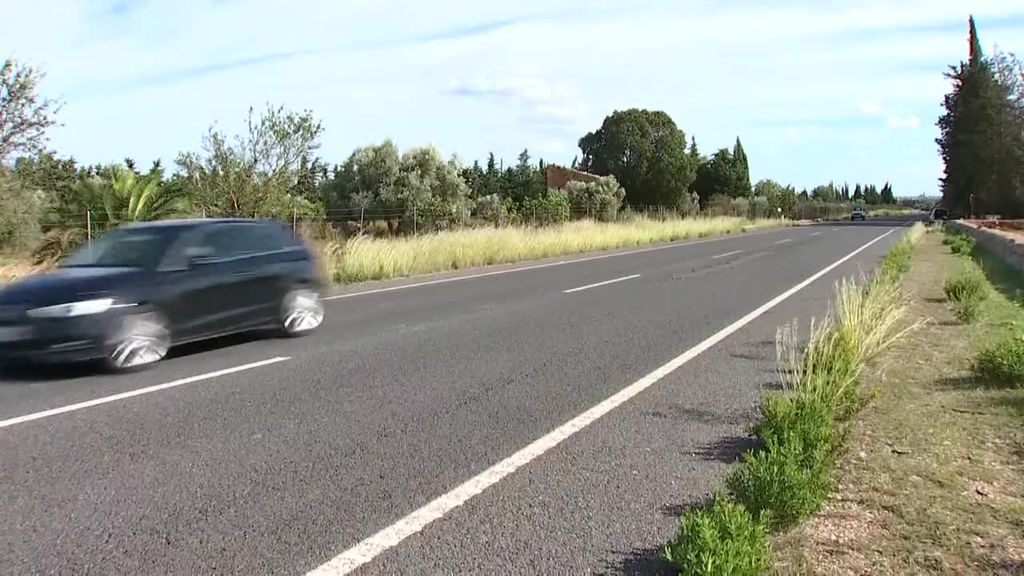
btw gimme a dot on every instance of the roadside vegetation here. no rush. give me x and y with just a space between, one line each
371 204
803 429
930 482
367 258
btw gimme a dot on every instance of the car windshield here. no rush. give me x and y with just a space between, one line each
124 248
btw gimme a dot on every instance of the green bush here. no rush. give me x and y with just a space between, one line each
1003 363
799 418
962 244
722 540
966 292
785 482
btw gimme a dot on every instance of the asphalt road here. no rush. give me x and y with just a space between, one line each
496 421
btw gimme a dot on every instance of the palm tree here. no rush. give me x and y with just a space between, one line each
127 196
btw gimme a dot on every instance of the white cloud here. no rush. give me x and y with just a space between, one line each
909 121
870 108
553 104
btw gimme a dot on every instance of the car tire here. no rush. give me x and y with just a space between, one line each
302 311
138 341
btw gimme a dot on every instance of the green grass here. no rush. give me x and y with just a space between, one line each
367 258
966 292
1002 364
959 243
721 540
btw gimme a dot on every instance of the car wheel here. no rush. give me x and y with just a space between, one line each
139 340
302 311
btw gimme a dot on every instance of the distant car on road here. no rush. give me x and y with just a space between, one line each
858 214
141 289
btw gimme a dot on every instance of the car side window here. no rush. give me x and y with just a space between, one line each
235 240
227 241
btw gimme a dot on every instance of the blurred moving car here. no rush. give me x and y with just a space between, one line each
140 289
858 214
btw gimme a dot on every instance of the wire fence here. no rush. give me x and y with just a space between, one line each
341 223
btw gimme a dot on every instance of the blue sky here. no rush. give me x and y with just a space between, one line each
818 90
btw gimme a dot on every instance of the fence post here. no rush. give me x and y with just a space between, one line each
362 210
88 230
295 221
414 224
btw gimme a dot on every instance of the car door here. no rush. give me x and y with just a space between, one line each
218 290
264 254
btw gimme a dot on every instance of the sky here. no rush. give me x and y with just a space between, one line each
817 90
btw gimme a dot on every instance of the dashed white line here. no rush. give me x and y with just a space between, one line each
605 283
139 392
816 234
546 265
783 241
835 229
727 254
391 536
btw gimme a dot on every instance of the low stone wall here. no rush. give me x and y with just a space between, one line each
1008 246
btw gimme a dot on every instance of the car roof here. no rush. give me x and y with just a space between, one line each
196 222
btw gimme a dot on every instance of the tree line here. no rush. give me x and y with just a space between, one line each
981 139
50 202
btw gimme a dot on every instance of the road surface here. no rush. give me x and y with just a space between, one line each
547 418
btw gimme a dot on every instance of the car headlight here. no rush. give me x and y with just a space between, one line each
83 308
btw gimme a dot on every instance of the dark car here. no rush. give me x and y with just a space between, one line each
140 289
858 214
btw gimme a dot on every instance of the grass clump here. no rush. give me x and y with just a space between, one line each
721 540
960 243
1002 364
897 261
789 479
367 258
966 292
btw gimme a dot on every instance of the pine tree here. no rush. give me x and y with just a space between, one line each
741 166
858 194
980 143
886 196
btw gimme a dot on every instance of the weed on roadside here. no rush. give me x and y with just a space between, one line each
721 540
966 292
1002 364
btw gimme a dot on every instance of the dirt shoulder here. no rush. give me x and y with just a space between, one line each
933 482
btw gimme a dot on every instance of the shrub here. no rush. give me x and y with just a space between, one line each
962 244
966 292
20 212
1003 363
721 540
600 200
550 208
788 480
801 418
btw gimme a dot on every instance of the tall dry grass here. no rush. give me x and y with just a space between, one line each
367 258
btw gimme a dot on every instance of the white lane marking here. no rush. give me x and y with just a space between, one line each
783 241
139 392
835 229
816 234
605 283
733 253
389 537
547 265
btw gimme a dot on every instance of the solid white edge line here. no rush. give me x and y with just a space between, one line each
139 392
783 241
549 264
605 283
371 547
727 254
